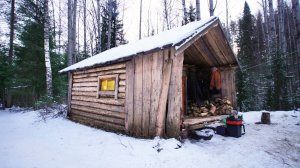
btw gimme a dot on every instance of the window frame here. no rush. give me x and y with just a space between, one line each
108 92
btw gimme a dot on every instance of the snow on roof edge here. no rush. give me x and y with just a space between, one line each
183 35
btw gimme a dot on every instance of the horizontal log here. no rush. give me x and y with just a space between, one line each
99 111
86 84
79 93
122 76
94 94
118 71
117 102
79 80
121 89
116 66
122 83
97 123
98 105
111 120
121 95
85 89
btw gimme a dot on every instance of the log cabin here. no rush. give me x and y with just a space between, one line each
140 88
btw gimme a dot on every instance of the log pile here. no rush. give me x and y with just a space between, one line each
217 107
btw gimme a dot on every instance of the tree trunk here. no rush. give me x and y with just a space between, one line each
272 28
99 27
265 118
281 34
184 13
59 27
211 8
109 24
72 8
140 24
166 14
296 11
266 27
47 49
198 15
84 28
12 31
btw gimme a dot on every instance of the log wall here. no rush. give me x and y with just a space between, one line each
104 112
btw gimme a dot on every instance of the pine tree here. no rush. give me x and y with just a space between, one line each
246 81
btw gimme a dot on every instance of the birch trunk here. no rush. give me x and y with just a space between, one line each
99 26
140 25
47 49
198 14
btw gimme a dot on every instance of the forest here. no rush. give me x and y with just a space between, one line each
45 36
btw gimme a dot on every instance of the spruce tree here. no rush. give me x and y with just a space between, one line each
117 34
246 84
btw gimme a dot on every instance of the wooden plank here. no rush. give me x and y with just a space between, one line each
112 72
157 70
85 89
129 96
107 119
201 120
174 97
83 80
117 86
98 105
79 93
97 123
105 68
69 91
86 84
206 52
147 65
100 111
118 102
163 97
138 96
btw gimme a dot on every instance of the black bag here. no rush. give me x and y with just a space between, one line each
221 130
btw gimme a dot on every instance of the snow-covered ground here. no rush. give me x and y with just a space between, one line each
28 141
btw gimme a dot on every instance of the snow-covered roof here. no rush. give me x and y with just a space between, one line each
175 37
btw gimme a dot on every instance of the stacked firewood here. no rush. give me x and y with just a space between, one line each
217 107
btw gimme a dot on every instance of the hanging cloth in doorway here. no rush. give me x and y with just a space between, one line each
194 87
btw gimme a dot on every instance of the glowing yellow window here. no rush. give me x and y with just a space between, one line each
107 85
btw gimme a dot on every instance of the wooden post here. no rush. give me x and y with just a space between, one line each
70 92
161 115
129 95
175 96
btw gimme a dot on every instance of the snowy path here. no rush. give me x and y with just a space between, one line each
27 142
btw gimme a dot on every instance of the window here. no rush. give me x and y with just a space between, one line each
108 86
